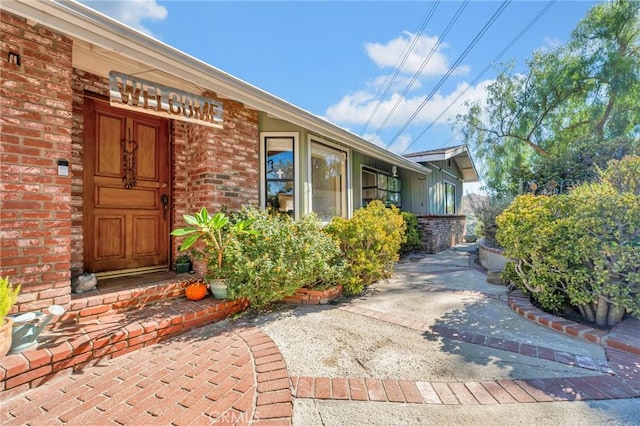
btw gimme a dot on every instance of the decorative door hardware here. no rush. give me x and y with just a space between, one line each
165 205
129 154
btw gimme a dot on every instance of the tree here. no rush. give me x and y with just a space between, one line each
576 107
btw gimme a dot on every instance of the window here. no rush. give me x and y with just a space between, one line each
449 198
379 186
279 173
328 181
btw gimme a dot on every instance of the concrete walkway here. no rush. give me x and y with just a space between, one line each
435 344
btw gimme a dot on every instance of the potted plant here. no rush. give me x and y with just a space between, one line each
8 296
183 264
215 232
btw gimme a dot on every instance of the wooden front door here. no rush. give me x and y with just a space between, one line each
126 190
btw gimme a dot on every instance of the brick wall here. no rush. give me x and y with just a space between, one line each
41 215
83 82
441 232
36 120
220 167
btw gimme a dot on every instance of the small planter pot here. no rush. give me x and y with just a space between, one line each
218 288
6 331
183 268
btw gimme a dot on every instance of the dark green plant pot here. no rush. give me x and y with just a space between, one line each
183 268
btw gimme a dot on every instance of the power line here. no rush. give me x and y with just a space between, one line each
471 45
482 73
400 63
424 64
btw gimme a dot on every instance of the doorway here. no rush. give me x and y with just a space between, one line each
127 175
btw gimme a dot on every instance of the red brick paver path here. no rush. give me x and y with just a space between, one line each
211 375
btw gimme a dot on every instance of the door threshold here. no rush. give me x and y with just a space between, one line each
131 272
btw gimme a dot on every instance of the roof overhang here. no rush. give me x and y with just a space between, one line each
113 38
460 154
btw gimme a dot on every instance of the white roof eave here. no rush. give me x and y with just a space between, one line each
82 22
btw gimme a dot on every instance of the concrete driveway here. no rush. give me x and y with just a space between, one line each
438 327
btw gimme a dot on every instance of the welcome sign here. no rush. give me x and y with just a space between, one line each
136 94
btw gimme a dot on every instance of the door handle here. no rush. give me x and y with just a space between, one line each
165 205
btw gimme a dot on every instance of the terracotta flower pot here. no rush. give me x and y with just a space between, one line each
6 330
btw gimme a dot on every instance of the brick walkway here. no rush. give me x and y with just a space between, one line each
237 375
228 376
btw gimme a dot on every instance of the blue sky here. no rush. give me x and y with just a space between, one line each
335 59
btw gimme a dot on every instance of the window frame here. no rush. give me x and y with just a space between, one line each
296 167
448 185
346 187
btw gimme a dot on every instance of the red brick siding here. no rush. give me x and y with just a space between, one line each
441 232
36 118
215 167
42 121
83 82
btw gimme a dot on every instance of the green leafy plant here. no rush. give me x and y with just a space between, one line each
8 296
281 257
582 248
183 259
624 174
413 236
370 242
216 233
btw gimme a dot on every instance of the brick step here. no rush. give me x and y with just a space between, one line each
108 334
101 303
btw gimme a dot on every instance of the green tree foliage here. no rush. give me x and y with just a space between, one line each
370 243
582 247
575 108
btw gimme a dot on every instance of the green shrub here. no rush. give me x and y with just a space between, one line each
530 234
413 237
281 257
370 243
8 296
623 175
582 247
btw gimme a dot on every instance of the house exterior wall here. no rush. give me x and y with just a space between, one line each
36 117
436 183
41 215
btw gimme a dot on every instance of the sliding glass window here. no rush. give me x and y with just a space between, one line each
328 181
279 174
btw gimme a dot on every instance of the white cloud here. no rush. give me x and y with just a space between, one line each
356 108
131 12
399 83
399 146
386 55
551 43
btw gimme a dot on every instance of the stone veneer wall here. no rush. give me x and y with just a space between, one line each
441 232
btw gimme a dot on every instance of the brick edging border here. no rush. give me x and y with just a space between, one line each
274 401
520 304
487 392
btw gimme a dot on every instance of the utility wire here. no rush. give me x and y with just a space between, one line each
482 73
471 45
424 64
400 63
